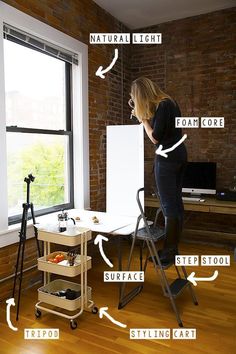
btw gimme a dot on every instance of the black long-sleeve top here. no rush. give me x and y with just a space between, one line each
164 131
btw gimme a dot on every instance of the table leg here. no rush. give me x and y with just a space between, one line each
119 264
44 253
119 253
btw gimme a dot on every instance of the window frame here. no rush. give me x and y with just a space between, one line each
68 132
79 97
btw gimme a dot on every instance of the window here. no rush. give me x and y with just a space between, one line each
27 32
39 128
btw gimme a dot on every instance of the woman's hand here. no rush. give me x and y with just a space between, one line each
149 131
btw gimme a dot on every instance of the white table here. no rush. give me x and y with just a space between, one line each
108 223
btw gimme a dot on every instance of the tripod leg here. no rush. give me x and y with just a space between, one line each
16 268
23 236
35 229
19 250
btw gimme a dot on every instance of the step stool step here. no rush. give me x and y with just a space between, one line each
164 265
178 286
157 234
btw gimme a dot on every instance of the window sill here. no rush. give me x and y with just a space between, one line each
11 235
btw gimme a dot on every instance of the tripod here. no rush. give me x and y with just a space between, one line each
22 234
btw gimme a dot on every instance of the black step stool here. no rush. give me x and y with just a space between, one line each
148 236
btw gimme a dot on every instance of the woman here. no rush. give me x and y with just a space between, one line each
157 111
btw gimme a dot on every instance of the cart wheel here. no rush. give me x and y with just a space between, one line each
73 324
95 310
38 313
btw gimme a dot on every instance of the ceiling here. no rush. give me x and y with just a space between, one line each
143 13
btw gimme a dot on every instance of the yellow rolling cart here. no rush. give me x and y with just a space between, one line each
47 294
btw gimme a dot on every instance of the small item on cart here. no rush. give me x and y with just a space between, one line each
71 256
62 220
57 258
77 218
67 294
60 293
72 294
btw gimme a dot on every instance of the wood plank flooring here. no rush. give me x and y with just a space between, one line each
214 318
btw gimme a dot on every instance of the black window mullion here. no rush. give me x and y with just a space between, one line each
16 218
15 129
69 125
68 88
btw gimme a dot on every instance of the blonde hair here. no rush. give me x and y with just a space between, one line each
146 96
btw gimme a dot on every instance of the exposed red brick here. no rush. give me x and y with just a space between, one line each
195 64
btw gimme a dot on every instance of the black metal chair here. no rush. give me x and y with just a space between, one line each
149 236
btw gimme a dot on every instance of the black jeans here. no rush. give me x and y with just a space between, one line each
169 181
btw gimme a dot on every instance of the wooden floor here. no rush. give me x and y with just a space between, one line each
214 318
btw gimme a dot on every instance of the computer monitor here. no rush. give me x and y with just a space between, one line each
200 178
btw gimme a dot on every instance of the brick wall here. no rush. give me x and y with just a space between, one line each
196 65
8 256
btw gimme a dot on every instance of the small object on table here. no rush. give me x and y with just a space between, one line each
77 218
95 220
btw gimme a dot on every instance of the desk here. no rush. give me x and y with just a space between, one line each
211 205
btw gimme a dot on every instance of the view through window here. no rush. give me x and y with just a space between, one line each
39 137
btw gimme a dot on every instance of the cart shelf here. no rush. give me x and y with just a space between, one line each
71 237
44 294
60 269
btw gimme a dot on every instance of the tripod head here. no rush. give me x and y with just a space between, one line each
28 180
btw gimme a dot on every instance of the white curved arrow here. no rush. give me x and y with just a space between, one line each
102 312
10 302
163 153
193 279
98 240
100 71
